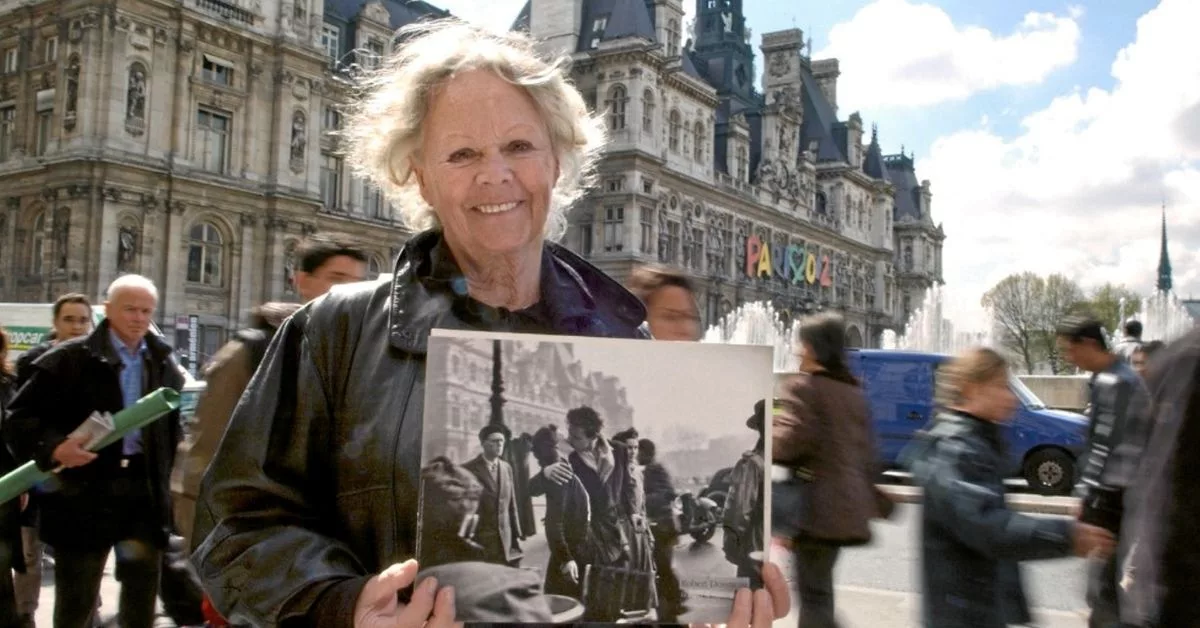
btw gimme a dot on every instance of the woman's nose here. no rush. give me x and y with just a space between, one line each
494 169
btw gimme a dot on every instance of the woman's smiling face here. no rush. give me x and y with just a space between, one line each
486 165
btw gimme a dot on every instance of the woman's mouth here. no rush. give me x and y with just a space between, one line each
497 208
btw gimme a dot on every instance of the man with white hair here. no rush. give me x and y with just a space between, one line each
117 497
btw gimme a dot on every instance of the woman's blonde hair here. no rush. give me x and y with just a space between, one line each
382 134
978 365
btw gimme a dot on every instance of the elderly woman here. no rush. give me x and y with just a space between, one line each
308 513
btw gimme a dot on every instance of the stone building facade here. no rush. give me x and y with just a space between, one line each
758 195
191 142
183 141
541 382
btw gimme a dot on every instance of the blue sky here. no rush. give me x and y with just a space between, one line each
1052 132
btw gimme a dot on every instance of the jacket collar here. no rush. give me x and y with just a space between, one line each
100 345
429 291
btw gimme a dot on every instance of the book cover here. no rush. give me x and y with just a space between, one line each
569 479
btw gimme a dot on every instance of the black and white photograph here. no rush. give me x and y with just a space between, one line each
570 479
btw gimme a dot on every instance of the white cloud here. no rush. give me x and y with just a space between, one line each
1079 189
895 53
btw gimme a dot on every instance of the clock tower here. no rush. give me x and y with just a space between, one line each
722 47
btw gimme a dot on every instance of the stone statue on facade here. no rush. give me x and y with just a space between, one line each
299 144
72 103
766 172
126 248
289 270
727 18
62 229
135 107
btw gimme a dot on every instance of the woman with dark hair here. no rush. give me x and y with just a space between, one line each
11 555
568 520
605 470
670 299
822 431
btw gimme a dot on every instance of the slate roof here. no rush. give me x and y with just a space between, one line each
626 18
820 121
873 163
522 22
908 190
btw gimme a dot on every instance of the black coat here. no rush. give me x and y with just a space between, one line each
318 469
67 384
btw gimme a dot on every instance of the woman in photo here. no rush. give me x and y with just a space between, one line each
481 145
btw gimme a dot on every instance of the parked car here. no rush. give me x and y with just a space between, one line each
1044 445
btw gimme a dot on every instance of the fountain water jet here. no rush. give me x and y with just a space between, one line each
928 330
758 323
1164 318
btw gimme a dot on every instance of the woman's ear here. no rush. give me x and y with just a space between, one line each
418 173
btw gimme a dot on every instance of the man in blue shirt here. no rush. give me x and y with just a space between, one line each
118 497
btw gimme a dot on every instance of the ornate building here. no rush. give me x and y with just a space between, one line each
759 195
541 382
184 141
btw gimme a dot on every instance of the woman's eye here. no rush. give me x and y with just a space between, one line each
520 146
460 155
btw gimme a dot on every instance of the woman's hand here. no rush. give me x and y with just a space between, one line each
759 609
379 607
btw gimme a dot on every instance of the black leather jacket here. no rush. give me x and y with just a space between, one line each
313 489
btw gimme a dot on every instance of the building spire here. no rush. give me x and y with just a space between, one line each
1164 259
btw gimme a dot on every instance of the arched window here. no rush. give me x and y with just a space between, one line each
674 128
698 142
672 38
205 248
822 204
648 111
617 99
37 247
374 268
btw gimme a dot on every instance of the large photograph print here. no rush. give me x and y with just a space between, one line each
571 479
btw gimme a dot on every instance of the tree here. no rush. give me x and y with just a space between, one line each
1060 297
1016 304
1105 304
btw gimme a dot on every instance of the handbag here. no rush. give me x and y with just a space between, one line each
789 499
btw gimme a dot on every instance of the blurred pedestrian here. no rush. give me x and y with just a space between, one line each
823 446
670 299
1159 587
71 318
1130 343
1141 357
1117 433
972 543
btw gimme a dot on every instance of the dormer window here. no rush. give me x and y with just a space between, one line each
598 27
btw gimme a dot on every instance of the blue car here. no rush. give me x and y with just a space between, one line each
1044 445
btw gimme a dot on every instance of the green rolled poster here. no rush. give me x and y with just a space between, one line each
147 410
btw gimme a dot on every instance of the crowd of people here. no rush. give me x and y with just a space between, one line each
294 500
611 523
